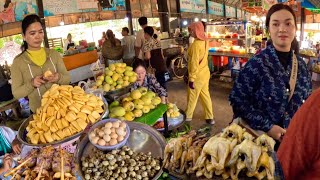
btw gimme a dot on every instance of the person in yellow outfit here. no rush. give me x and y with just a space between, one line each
36 69
199 74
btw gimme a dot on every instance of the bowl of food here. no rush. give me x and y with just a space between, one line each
109 134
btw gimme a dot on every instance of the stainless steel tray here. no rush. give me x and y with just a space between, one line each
143 138
175 123
22 132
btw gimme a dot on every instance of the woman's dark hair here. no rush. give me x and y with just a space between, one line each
125 29
111 37
26 22
138 62
278 7
149 30
143 21
7 3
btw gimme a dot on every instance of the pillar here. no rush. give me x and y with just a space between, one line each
164 15
41 15
129 16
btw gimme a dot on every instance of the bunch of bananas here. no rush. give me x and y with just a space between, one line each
64 111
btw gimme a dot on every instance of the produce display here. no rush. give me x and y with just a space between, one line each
64 111
173 110
120 164
110 134
316 67
45 163
226 154
116 76
308 52
137 103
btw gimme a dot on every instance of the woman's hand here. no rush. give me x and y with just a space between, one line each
276 132
7 163
16 146
53 78
37 81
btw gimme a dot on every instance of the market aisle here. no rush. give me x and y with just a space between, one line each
219 92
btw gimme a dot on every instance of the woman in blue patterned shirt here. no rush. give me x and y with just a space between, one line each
261 93
148 81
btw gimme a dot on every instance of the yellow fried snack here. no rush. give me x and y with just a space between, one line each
64 111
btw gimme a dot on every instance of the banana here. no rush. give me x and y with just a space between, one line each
66 101
58 115
99 110
87 107
60 134
55 137
59 123
54 127
76 125
56 107
87 111
50 111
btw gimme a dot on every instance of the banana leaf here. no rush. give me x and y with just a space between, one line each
151 117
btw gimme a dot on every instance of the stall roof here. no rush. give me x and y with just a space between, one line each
315 3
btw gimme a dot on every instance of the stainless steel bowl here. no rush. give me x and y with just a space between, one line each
143 138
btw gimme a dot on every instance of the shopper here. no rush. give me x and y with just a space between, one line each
154 56
143 22
128 45
68 43
267 94
112 50
148 81
299 153
199 73
28 68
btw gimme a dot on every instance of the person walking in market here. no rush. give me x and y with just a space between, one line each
112 51
138 44
274 83
36 69
128 45
199 73
154 56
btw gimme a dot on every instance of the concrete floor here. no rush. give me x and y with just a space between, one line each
219 92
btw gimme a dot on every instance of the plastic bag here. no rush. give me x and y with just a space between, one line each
97 69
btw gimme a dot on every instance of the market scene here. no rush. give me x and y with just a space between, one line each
159 89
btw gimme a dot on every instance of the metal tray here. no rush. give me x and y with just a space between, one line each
118 92
143 138
22 132
175 123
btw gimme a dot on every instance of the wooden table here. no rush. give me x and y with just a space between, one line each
11 104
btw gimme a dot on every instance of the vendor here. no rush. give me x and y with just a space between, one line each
68 43
36 69
274 83
148 81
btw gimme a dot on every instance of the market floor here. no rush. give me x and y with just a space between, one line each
219 92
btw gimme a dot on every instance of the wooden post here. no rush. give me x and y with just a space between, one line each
163 15
129 16
41 15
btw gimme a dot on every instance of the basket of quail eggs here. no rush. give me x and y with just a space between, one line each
109 134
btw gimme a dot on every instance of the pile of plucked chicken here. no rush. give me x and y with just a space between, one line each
227 154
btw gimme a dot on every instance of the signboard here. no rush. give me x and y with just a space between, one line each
230 11
57 7
215 8
195 6
15 11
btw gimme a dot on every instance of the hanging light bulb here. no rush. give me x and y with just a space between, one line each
126 18
61 23
185 22
196 19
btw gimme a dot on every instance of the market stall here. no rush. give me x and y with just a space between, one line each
79 64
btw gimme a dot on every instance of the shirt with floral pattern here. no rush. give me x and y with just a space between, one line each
152 84
151 44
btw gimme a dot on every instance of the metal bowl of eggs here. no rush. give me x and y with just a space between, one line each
109 134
